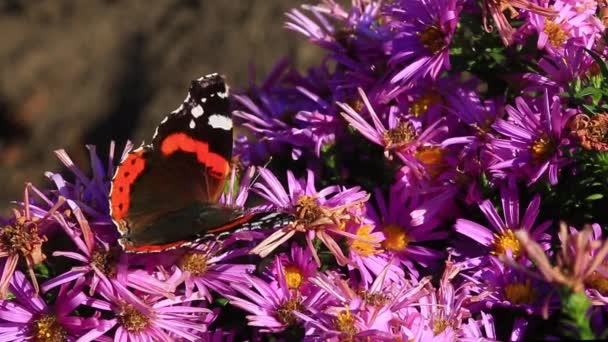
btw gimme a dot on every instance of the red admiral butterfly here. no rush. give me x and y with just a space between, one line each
164 195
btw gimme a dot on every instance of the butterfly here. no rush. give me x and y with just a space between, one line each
165 195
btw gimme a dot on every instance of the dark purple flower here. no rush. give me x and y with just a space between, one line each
423 33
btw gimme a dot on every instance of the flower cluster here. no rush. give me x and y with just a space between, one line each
428 163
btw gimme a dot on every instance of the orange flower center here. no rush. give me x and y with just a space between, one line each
293 276
432 158
557 36
542 148
285 311
423 103
396 238
507 241
520 293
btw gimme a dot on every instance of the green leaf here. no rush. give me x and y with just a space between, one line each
221 301
594 197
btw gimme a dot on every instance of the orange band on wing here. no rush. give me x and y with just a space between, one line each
126 174
182 142
230 225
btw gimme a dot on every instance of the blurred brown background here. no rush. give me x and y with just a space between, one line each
75 72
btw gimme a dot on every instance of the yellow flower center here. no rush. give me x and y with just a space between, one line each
432 158
46 328
364 247
598 282
285 311
423 103
293 276
396 238
557 36
131 319
195 263
439 325
432 39
505 242
542 148
399 136
345 322
520 293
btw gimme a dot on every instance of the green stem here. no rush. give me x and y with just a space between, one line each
575 307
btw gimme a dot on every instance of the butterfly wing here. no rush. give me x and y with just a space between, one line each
159 190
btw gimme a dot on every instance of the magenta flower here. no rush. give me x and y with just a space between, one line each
272 308
500 238
424 30
574 22
319 214
22 237
28 317
298 267
367 255
407 221
144 317
204 269
534 138
502 286
558 70
401 138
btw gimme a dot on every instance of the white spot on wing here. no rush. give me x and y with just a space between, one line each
223 95
197 111
192 124
204 99
220 121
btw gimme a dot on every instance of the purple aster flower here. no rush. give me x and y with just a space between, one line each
205 269
145 317
99 263
558 70
402 137
367 256
287 116
354 311
298 267
479 330
89 193
535 138
22 237
596 282
317 215
500 238
424 30
408 220
495 8
570 24
28 317
272 308
352 36
502 286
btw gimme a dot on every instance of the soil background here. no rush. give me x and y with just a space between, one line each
76 72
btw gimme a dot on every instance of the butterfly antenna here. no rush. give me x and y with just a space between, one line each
257 174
